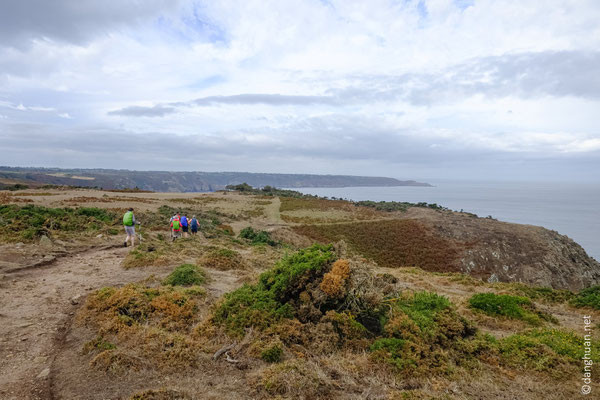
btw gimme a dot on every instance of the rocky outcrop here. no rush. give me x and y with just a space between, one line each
506 252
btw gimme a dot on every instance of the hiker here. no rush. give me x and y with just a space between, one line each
184 225
194 225
171 224
176 226
129 224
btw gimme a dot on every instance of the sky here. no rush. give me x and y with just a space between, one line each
410 89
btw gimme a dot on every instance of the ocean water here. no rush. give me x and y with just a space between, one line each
572 209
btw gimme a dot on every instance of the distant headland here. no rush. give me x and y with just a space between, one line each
182 181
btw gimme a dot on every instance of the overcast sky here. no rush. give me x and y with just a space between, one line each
426 89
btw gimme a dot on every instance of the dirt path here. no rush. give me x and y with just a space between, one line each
35 307
272 212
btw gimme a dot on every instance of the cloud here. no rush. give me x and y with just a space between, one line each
140 111
420 85
75 22
270 99
523 75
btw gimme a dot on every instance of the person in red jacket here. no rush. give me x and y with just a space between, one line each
176 226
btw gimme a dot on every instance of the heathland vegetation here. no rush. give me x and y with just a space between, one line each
289 296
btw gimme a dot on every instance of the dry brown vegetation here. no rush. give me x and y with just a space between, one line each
393 243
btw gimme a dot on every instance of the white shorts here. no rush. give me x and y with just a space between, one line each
130 230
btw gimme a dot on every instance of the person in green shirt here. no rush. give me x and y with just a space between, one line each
129 224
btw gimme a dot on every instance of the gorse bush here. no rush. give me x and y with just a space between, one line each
265 303
589 297
257 237
29 222
545 294
543 349
503 305
422 331
272 354
185 275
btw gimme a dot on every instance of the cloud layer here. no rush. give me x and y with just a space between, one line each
410 89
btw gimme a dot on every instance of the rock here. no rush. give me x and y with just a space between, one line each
19 245
48 258
493 278
44 373
45 242
99 236
75 299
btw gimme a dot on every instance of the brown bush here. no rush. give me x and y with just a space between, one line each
222 259
117 362
298 379
334 281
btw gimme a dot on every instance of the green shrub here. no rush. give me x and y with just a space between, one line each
513 307
266 303
29 222
422 307
543 349
422 331
543 293
250 306
291 273
185 275
272 354
589 297
257 237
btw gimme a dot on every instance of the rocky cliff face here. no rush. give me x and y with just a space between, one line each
507 252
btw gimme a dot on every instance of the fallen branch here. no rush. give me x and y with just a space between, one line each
229 359
222 350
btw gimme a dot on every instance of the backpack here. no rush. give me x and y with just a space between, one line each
194 223
128 218
176 224
184 221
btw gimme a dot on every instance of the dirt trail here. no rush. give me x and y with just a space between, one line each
272 212
36 305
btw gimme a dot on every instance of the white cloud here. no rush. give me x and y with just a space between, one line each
356 78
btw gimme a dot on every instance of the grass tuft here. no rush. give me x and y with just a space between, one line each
186 275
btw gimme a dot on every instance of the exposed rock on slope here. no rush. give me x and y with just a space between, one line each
507 252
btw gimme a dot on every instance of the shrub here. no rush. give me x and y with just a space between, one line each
334 281
423 307
272 354
290 274
589 297
543 349
133 306
503 305
296 379
390 351
186 275
257 237
250 306
543 293
423 331
222 259
266 303
30 222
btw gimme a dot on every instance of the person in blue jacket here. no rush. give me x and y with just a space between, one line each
194 225
184 225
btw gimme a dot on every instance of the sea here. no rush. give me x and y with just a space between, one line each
572 209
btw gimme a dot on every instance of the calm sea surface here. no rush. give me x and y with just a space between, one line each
571 209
